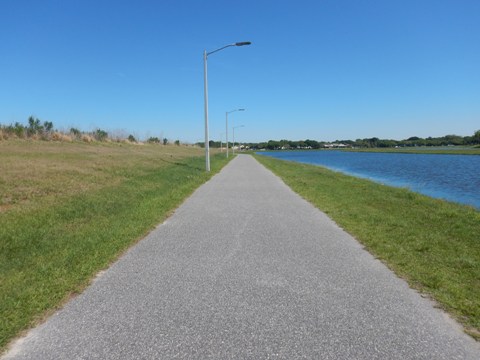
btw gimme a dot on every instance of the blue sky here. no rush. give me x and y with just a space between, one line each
323 70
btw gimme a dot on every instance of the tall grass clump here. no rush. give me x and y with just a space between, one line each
35 129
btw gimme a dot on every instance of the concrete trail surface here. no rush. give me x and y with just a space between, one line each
246 269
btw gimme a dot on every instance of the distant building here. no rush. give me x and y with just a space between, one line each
335 146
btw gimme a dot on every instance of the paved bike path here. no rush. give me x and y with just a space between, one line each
246 269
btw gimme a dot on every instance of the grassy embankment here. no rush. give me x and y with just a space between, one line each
67 210
433 244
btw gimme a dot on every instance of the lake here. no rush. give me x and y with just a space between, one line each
451 177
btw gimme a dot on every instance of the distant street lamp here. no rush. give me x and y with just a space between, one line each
205 83
226 123
235 127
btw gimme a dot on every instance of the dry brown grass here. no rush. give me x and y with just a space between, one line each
87 138
58 136
35 172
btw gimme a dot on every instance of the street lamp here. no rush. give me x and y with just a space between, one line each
226 123
205 83
233 147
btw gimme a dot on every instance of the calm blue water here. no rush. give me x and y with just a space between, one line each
450 177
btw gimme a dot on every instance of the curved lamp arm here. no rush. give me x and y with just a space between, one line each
243 43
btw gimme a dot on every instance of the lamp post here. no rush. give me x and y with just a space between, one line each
226 123
233 147
205 83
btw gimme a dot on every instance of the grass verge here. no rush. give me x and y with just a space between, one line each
69 210
433 244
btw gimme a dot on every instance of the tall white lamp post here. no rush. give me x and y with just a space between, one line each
205 83
235 127
226 123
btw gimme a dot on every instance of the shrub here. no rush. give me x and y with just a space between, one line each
75 132
100 135
155 140
17 129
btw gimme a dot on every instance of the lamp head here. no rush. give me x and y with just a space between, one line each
243 43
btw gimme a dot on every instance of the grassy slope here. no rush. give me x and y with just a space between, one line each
69 210
431 243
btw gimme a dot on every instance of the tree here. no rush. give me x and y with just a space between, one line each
165 141
48 126
372 142
312 143
131 138
293 144
432 141
34 126
273 145
476 137
177 142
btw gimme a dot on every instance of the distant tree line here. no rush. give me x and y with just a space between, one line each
374 142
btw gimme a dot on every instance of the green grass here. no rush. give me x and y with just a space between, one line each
69 210
433 244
